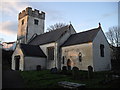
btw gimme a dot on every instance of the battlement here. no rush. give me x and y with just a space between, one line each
33 13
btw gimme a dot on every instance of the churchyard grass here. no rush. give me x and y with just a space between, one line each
45 79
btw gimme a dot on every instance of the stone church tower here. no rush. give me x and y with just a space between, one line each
30 23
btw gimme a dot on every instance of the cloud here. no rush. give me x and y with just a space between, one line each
9 11
8 28
13 8
51 14
10 8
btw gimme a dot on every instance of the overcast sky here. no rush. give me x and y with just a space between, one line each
82 15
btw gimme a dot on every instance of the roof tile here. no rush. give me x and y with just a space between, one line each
48 37
82 37
32 50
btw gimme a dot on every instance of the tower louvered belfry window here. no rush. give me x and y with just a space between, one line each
36 21
22 21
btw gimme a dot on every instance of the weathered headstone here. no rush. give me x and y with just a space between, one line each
90 72
54 70
64 70
71 85
69 67
38 67
75 73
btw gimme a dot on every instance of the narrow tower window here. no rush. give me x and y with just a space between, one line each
36 21
22 21
102 50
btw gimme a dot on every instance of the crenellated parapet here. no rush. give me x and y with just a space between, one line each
33 13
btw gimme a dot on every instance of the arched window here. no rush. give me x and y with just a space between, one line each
22 21
36 21
80 56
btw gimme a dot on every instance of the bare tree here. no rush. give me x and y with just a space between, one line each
117 36
113 36
56 26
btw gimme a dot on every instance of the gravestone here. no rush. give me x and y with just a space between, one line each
69 67
54 70
38 67
71 85
64 70
90 72
75 73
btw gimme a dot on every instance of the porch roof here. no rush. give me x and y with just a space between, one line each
32 50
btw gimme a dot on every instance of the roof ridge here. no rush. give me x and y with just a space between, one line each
28 44
53 30
49 37
87 30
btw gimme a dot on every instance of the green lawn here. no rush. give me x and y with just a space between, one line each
45 79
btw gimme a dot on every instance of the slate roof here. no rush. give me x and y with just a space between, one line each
82 37
49 37
32 50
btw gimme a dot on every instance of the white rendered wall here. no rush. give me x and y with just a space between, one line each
29 28
50 63
32 28
101 63
21 63
32 62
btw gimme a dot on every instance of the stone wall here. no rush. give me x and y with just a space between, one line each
72 53
62 40
26 26
33 13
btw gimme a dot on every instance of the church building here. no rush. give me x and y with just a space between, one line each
58 48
